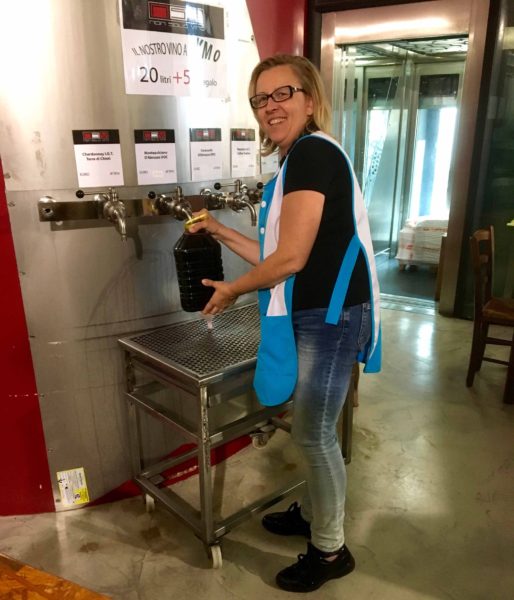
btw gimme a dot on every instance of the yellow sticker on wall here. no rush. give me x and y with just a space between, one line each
73 487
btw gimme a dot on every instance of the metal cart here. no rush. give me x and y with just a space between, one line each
180 374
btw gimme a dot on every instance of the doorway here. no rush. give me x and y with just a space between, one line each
396 111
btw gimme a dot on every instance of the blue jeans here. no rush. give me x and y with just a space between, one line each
326 355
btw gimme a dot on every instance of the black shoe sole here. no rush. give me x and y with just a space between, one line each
291 587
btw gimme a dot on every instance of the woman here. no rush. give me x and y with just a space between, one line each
318 298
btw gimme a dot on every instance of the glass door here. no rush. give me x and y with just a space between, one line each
396 117
434 114
377 164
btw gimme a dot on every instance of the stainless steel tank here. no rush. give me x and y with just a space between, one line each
83 287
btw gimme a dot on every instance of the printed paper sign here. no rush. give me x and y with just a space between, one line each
73 487
98 157
206 160
243 152
269 164
173 48
156 156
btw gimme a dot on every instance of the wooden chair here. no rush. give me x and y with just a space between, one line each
489 310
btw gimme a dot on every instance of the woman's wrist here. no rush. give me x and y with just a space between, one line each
220 233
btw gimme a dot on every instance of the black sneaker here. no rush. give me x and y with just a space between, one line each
313 569
289 522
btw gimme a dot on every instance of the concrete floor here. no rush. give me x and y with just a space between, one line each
430 509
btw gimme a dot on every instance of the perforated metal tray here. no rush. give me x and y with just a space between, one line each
192 349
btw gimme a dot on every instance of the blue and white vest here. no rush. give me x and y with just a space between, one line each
277 364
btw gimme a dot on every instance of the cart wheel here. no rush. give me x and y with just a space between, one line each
215 555
259 440
149 503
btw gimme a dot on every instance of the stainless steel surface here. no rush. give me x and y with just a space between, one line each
238 199
205 355
408 304
419 20
173 203
52 210
202 353
83 289
113 209
47 94
159 358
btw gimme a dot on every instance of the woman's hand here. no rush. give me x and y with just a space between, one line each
223 297
207 223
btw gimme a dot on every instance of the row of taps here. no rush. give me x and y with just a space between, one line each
175 204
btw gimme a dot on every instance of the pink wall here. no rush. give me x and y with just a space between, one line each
24 478
278 25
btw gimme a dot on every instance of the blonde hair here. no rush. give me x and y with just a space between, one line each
310 81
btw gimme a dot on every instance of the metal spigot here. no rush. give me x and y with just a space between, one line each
255 194
114 211
172 203
213 200
111 208
238 199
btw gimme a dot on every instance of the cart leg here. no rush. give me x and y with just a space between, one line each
133 421
204 470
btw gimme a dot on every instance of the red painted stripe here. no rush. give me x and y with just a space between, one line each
178 473
24 477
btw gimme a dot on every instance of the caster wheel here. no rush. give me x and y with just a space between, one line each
149 503
259 440
214 552
263 435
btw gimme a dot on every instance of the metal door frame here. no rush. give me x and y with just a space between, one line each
440 18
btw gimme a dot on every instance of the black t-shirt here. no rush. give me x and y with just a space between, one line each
317 164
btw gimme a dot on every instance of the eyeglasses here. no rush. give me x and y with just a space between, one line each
281 94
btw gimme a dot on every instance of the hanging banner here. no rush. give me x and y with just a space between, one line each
206 154
156 157
173 48
243 152
98 157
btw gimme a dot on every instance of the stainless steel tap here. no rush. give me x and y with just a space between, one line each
111 208
172 203
238 199
114 211
213 200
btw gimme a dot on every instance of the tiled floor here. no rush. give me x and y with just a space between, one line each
430 510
